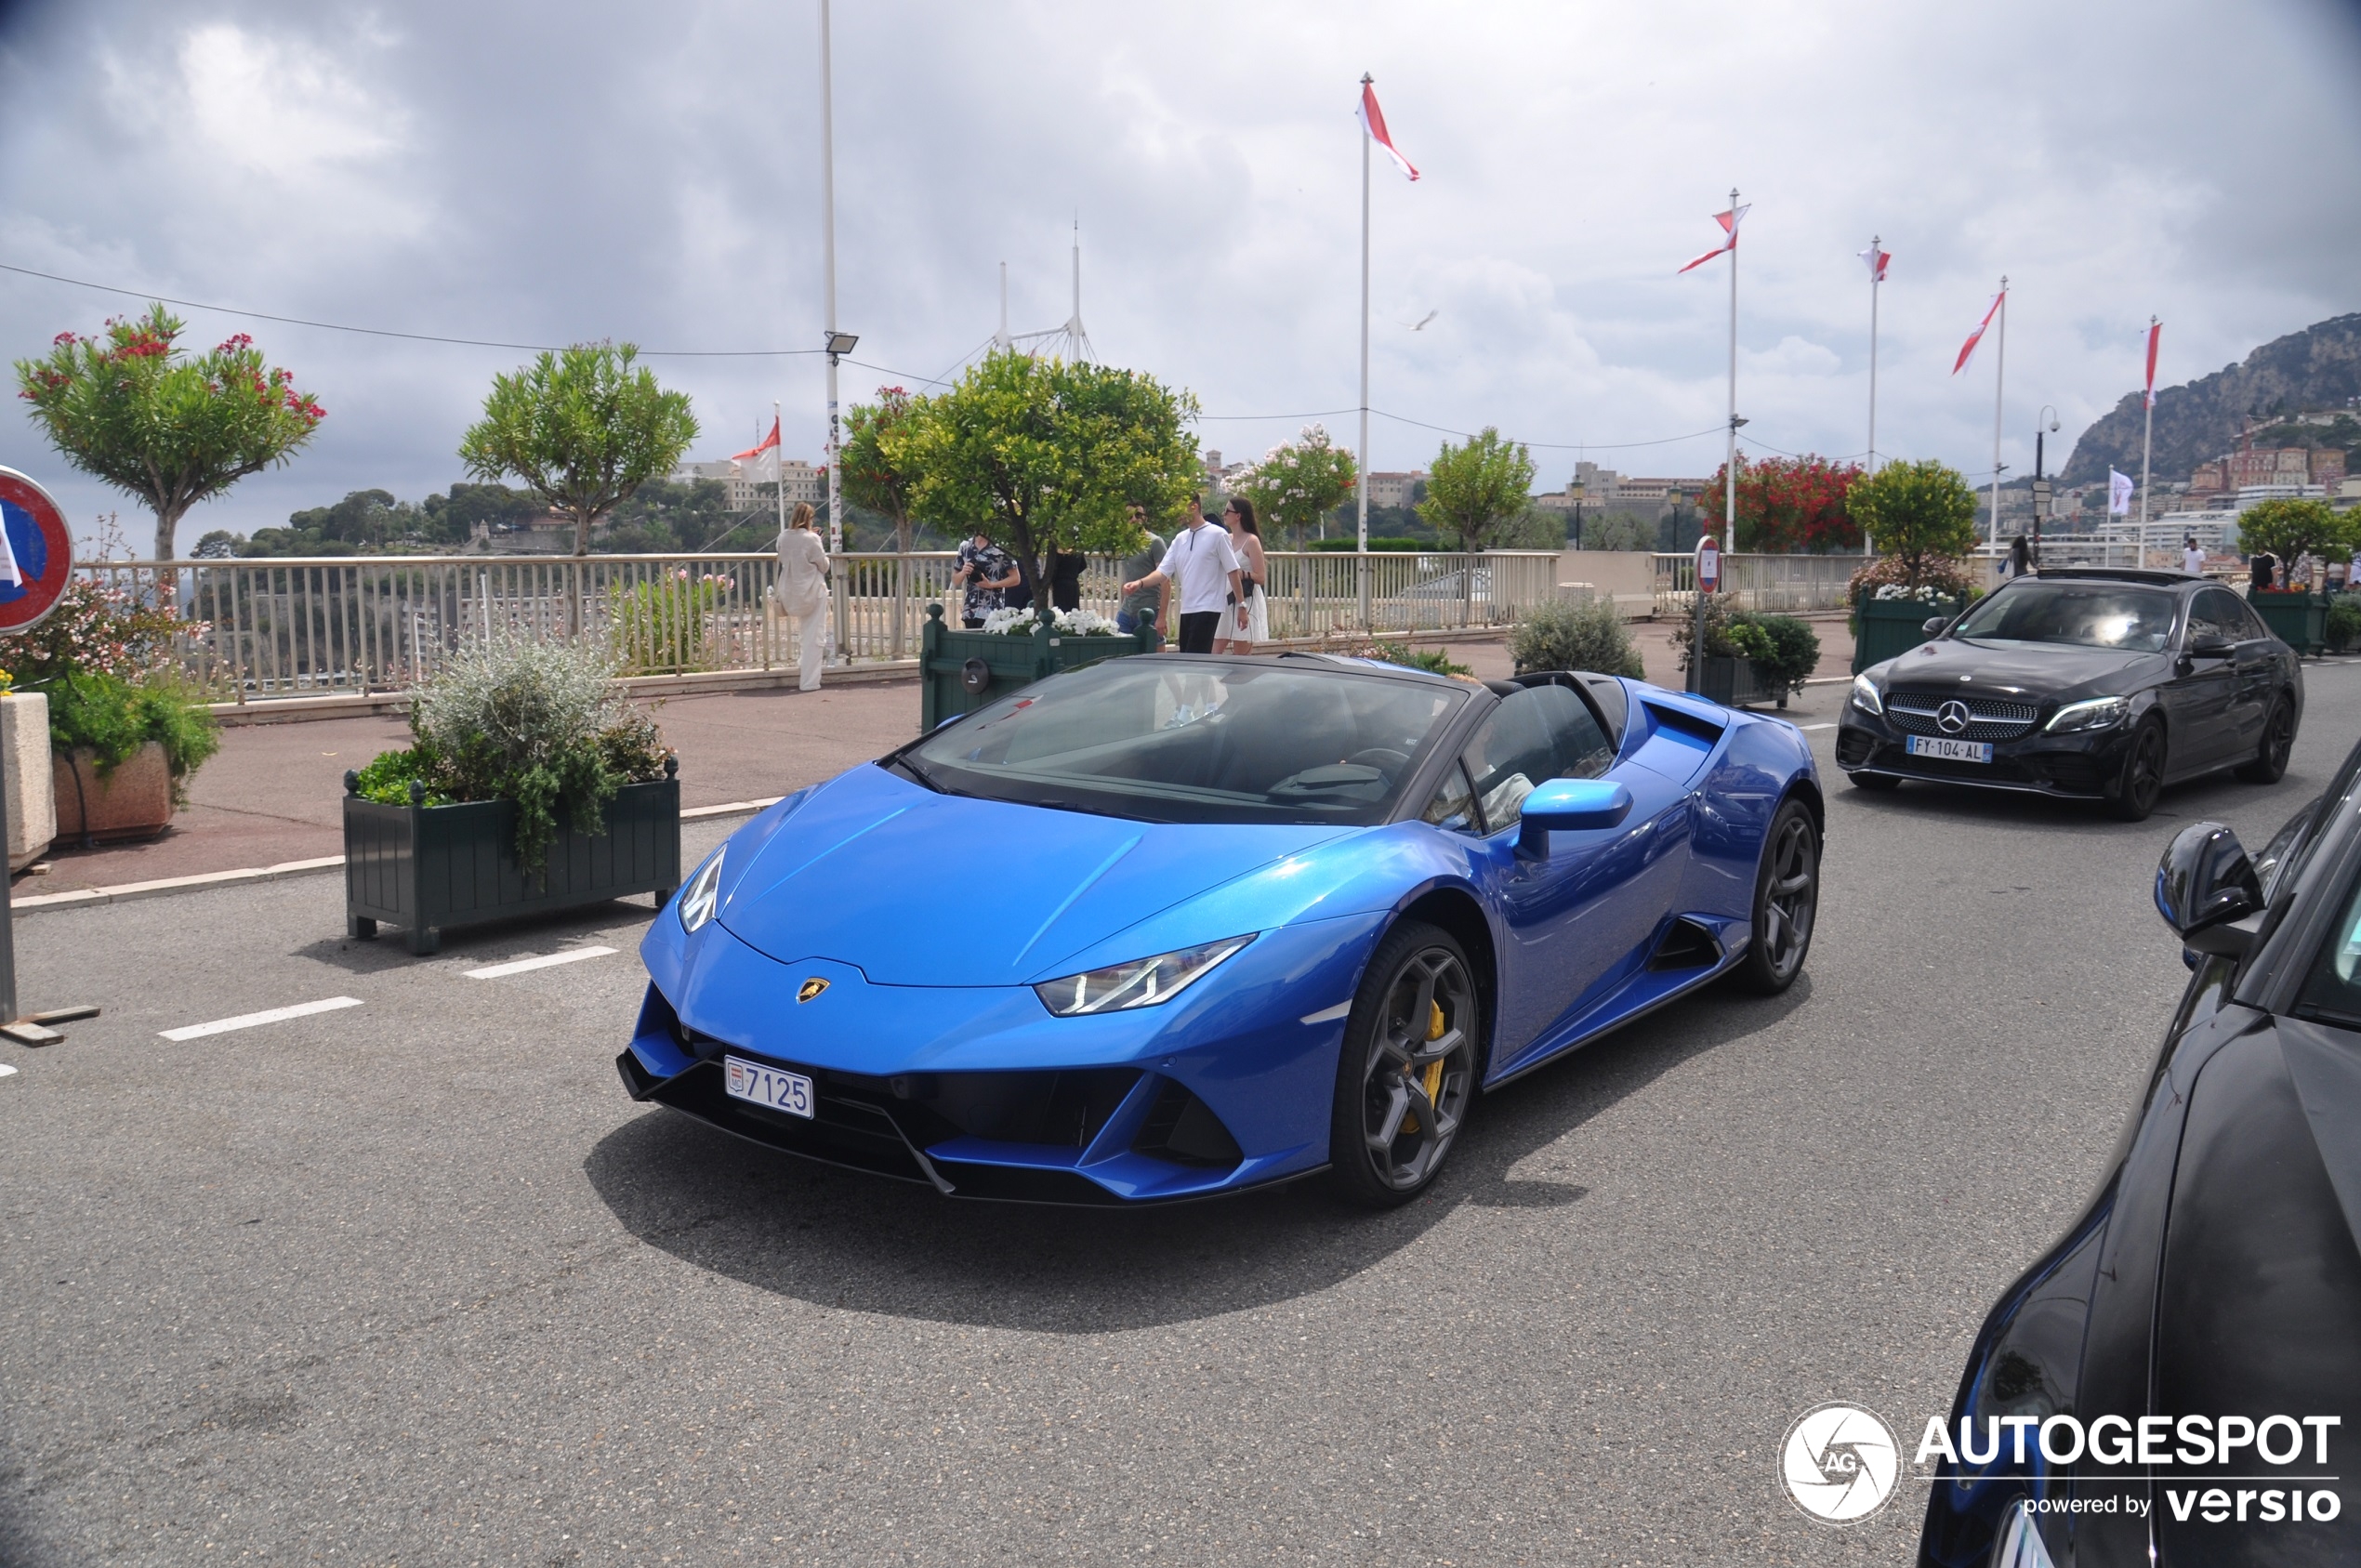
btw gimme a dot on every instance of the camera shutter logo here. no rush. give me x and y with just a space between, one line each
1841 1463
1952 717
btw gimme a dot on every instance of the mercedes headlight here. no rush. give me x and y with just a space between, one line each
2097 713
1865 695
703 891
1143 983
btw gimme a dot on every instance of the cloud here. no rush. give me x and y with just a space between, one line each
651 174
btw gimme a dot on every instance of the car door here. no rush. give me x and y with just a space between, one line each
2257 670
2198 698
1573 919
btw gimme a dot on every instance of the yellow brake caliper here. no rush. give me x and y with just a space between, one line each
1433 1085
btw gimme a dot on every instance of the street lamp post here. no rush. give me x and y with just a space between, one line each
2046 422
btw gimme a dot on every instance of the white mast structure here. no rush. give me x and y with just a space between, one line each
1070 342
1001 339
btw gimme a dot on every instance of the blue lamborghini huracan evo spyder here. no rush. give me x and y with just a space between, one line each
1167 927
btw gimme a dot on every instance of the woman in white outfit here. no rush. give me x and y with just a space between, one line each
1246 542
802 592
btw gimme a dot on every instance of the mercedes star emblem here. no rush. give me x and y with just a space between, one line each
1952 717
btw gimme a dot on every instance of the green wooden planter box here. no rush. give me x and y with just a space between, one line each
1736 682
426 869
961 671
1885 629
2300 620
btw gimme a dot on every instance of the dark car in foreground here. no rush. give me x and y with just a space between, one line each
2094 684
2178 1380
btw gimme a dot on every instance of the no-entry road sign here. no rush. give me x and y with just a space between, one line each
37 553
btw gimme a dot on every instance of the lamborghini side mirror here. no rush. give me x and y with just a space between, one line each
2207 892
1567 805
1933 625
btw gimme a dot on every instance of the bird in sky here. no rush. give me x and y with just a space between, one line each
1423 320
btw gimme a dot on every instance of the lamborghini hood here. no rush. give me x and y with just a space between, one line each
919 889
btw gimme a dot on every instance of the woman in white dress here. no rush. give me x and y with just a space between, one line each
1246 542
802 592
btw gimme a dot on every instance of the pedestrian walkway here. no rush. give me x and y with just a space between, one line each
273 794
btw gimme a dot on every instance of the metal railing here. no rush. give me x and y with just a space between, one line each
1786 583
289 627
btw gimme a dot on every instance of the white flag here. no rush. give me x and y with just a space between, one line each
760 465
2119 492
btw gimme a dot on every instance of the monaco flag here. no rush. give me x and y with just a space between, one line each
2154 328
1372 121
1729 221
1967 349
1876 260
759 464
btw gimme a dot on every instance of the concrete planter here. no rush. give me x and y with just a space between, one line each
1885 629
426 869
32 796
964 670
134 801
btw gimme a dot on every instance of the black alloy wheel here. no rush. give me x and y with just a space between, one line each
1786 902
2135 793
1880 782
1407 1072
2270 762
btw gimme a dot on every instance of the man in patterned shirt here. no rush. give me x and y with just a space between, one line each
989 573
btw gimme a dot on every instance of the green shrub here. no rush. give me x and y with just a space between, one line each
112 717
662 626
540 724
2344 622
1793 650
1561 635
1435 661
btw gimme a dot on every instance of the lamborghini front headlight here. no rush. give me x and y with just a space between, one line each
699 899
1142 982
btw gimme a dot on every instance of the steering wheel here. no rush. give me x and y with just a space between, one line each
1382 758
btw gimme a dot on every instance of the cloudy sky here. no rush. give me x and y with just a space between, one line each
542 174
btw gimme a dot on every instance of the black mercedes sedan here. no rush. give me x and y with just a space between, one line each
2104 685
2178 1380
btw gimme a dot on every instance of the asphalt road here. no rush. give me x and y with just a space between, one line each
413 1281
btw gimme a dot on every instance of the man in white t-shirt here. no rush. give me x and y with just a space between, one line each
1204 570
2192 557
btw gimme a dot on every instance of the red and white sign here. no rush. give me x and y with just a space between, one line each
1709 565
37 553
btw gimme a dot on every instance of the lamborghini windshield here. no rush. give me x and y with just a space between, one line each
2088 615
1173 740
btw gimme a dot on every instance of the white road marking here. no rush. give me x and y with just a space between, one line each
247 1021
518 966
7 1071
1327 1015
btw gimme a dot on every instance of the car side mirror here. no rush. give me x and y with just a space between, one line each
2207 892
1933 625
1569 805
2211 645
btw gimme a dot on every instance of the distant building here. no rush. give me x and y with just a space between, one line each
803 483
1594 485
1397 489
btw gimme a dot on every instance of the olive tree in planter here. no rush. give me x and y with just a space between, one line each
530 785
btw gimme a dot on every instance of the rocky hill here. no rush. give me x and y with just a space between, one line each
2319 367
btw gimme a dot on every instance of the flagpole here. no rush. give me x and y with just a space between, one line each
2000 372
1730 461
828 253
778 463
1363 546
2147 440
1876 277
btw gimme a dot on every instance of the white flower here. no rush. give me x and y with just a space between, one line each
1005 620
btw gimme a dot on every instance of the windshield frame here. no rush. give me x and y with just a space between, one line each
2021 587
1406 796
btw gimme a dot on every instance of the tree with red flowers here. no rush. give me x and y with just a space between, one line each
1787 505
130 407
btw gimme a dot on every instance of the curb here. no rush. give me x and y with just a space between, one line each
126 892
